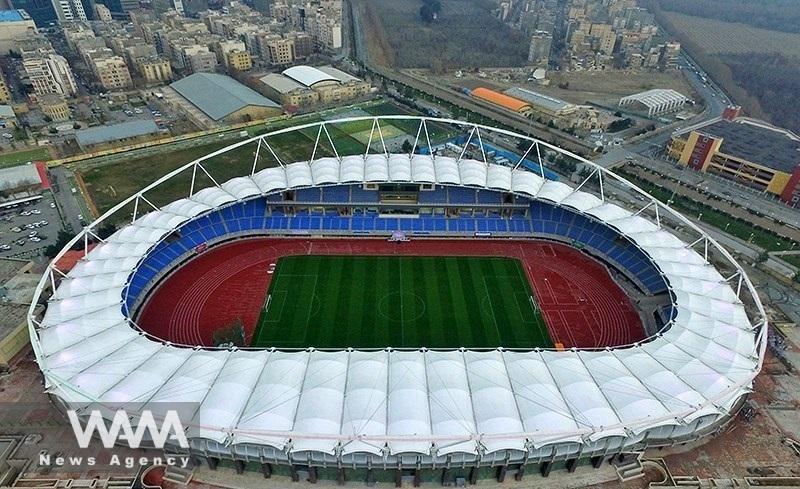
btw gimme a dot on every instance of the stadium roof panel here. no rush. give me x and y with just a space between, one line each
469 403
387 403
218 96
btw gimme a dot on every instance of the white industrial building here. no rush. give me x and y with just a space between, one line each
655 102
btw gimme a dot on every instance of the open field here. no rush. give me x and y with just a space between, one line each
718 37
602 87
111 183
21 157
402 301
466 34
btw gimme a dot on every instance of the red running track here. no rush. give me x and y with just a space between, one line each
582 305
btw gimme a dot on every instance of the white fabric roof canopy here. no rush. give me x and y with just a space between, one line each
403 401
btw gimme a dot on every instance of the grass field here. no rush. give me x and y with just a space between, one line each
22 157
108 184
399 301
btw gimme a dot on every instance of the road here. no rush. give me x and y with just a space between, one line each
650 152
71 205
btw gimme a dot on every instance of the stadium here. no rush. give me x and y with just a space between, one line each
440 312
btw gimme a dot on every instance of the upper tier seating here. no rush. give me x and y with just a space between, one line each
261 214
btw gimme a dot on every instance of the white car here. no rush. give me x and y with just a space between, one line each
16 229
52 205
5 247
43 223
36 212
35 239
25 213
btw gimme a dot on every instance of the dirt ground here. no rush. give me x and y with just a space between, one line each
601 87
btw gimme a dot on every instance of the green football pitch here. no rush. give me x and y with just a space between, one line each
399 301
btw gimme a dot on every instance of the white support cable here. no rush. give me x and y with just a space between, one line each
255 159
427 137
194 175
524 155
316 143
333 146
369 141
416 138
480 145
466 144
380 134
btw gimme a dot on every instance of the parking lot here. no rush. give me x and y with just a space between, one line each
27 229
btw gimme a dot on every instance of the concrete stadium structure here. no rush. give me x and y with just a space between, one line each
410 410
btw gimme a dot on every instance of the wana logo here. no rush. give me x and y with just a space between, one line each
120 429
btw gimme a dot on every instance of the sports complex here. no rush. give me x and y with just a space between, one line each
431 314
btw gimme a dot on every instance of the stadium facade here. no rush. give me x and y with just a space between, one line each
408 409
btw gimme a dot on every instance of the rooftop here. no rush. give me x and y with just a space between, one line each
124 130
9 268
281 83
757 142
18 176
655 97
218 95
308 75
13 15
535 98
6 111
11 316
338 74
500 99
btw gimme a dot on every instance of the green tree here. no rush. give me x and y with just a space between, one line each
407 146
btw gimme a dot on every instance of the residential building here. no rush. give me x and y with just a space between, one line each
102 13
49 73
539 50
5 95
154 70
279 51
69 11
55 107
238 60
233 55
14 24
199 59
111 72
